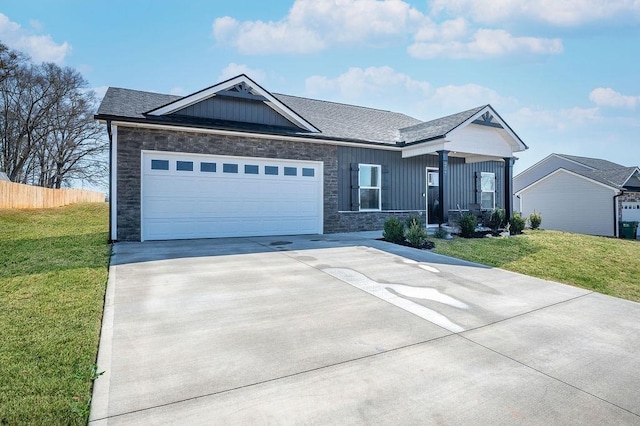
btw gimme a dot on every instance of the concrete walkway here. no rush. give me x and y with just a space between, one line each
345 329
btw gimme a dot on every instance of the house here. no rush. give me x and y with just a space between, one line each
579 194
236 160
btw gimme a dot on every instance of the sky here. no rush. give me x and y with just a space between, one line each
565 75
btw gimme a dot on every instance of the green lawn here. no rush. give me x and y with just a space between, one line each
607 265
53 273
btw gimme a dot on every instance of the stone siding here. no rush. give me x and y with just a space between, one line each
132 140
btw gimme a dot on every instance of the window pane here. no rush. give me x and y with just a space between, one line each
230 168
160 164
185 166
308 172
250 170
207 167
290 171
369 176
270 170
488 182
369 199
486 201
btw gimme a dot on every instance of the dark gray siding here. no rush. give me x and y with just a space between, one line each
231 109
407 178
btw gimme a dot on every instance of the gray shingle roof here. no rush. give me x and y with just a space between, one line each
594 163
436 128
606 172
334 120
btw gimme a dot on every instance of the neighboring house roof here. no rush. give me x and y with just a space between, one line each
602 171
594 163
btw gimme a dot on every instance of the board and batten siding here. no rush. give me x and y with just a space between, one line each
570 203
238 110
407 178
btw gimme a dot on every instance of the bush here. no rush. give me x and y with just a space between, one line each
416 235
467 225
517 223
440 233
393 230
535 219
497 219
413 218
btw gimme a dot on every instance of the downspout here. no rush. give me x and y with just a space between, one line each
110 178
615 213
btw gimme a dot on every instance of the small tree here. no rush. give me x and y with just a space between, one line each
497 219
393 230
416 235
467 223
535 219
517 223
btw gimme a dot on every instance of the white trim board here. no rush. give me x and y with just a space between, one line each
202 95
113 196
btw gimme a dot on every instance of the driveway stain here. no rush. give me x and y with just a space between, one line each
385 291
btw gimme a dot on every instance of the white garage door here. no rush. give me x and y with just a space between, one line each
631 213
203 196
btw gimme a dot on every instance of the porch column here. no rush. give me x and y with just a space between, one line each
443 186
508 187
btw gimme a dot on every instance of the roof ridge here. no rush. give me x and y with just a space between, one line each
343 103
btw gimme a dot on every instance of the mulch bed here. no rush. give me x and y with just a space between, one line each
428 245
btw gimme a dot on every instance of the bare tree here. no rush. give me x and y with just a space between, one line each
49 136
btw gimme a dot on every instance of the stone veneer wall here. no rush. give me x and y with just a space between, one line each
131 140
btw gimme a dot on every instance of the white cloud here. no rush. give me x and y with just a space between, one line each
485 43
386 88
177 91
373 82
314 25
233 70
41 48
99 92
554 12
607 97
561 120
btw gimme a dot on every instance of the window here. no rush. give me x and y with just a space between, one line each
229 168
308 172
271 170
369 183
185 166
250 170
488 191
159 164
207 167
290 171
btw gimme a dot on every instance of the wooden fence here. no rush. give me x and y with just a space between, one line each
19 196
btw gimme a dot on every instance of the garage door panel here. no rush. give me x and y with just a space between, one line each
194 204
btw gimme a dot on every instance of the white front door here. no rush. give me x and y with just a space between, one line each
207 196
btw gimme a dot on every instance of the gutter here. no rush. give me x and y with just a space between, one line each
110 178
615 213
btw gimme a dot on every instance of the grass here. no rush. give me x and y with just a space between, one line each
606 265
53 273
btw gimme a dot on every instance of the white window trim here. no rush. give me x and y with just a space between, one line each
482 174
379 188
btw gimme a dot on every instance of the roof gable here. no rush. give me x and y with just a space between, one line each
219 102
583 175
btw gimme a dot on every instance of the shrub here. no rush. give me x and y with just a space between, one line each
467 225
416 235
440 233
393 230
517 223
413 218
497 219
535 219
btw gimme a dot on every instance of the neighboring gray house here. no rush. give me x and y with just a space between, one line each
236 160
579 194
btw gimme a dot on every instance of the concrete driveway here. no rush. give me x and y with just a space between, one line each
344 329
